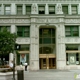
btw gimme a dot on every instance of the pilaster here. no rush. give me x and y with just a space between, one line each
69 9
34 8
46 9
34 47
60 47
2 9
24 9
13 28
13 9
58 8
79 8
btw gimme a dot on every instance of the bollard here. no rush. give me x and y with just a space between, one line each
20 74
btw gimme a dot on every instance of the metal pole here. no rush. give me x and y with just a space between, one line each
14 66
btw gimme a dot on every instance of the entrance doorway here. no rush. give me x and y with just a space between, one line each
47 48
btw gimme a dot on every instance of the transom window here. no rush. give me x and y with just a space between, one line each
19 9
23 31
28 9
51 9
7 10
71 31
65 9
41 9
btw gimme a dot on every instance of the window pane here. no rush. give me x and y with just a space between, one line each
41 10
28 9
74 9
46 40
19 10
51 10
65 9
7 10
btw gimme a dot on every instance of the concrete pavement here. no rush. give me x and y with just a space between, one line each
51 74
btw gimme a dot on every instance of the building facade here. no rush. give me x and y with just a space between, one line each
48 32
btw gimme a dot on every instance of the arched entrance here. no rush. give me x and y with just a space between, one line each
47 48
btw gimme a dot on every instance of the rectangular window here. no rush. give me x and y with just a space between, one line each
51 9
28 9
23 31
7 10
72 54
41 9
65 9
19 9
71 31
7 27
74 10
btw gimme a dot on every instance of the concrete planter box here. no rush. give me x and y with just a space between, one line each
7 76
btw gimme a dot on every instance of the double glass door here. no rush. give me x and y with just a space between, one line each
47 63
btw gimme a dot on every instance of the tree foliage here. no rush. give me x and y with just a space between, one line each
7 41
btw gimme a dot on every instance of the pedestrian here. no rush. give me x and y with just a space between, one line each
26 66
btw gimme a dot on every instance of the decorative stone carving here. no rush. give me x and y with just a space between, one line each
34 8
72 21
23 40
59 9
14 21
47 20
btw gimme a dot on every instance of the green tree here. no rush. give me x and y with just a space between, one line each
7 41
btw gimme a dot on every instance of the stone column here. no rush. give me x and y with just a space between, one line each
13 28
10 57
46 9
69 9
34 47
79 8
24 9
13 9
60 45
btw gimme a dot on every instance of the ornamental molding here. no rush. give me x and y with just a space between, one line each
14 20
23 40
72 40
47 21
72 21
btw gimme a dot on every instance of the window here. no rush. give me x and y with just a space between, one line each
65 9
51 9
74 10
72 54
7 27
28 9
23 31
71 31
19 9
24 47
41 9
7 10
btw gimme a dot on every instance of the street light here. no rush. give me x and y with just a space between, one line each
16 47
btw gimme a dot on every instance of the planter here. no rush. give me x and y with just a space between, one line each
7 76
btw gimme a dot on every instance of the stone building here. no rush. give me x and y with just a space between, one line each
48 32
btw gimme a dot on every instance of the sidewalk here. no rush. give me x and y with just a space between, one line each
51 75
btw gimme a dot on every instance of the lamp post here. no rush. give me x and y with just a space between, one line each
16 47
